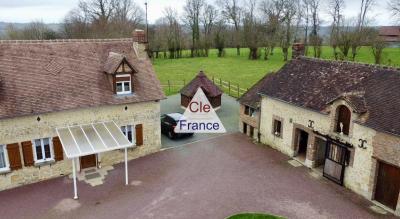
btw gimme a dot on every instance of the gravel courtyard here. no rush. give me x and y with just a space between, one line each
228 114
209 179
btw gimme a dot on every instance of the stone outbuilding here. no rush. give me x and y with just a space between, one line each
212 91
339 118
250 104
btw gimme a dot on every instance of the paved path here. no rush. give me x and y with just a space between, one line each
209 179
229 115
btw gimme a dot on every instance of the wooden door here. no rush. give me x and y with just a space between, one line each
88 161
388 185
335 162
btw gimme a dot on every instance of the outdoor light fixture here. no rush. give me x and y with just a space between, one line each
38 119
362 144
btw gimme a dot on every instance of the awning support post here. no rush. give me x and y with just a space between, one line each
74 177
126 166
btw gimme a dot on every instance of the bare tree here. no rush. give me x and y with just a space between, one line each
289 10
306 13
377 44
345 38
103 18
358 36
126 17
173 33
315 39
394 6
220 36
232 10
192 10
98 11
336 9
252 29
271 11
208 19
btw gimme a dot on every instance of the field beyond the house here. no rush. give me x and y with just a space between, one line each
239 69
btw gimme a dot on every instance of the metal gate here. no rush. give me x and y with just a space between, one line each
335 161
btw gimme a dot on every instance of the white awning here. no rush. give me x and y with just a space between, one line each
90 139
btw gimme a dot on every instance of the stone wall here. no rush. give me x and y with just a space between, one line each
357 174
386 149
27 128
252 121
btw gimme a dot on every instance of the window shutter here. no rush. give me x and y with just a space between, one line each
58 150
139 135
27 151
114 84
14 156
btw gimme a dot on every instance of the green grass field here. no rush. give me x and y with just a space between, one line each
239 69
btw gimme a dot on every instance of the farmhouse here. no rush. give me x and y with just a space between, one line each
340 118
390 35
79 100
211 90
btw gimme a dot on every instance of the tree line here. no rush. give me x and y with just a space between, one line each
259 25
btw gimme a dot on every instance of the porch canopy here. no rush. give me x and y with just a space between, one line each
84 140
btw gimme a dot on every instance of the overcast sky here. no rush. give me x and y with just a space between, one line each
53 11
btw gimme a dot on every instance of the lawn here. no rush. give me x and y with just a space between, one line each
239 69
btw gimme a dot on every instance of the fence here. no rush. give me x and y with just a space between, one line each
230 88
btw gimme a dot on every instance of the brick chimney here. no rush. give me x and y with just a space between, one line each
139 36
298 50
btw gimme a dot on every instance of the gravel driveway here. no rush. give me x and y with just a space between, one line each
204 180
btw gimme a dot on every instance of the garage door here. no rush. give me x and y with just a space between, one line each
388 185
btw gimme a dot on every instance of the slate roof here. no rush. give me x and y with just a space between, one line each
202 81
48 76
314 84
251 97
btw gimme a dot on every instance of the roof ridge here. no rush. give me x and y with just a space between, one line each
65 41
386 67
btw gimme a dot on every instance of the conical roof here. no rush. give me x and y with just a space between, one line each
201 80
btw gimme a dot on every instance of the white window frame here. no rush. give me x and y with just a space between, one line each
43 151
7 167
123 84
133 132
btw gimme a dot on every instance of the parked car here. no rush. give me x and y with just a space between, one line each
168 124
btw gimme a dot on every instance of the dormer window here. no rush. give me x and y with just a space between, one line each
123 84
120 73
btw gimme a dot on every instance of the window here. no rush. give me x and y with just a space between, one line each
128 130
4 165
277 128
123 84
43 150
249 111
343 115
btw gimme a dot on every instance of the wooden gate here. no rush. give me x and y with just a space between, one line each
335 162
388 185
